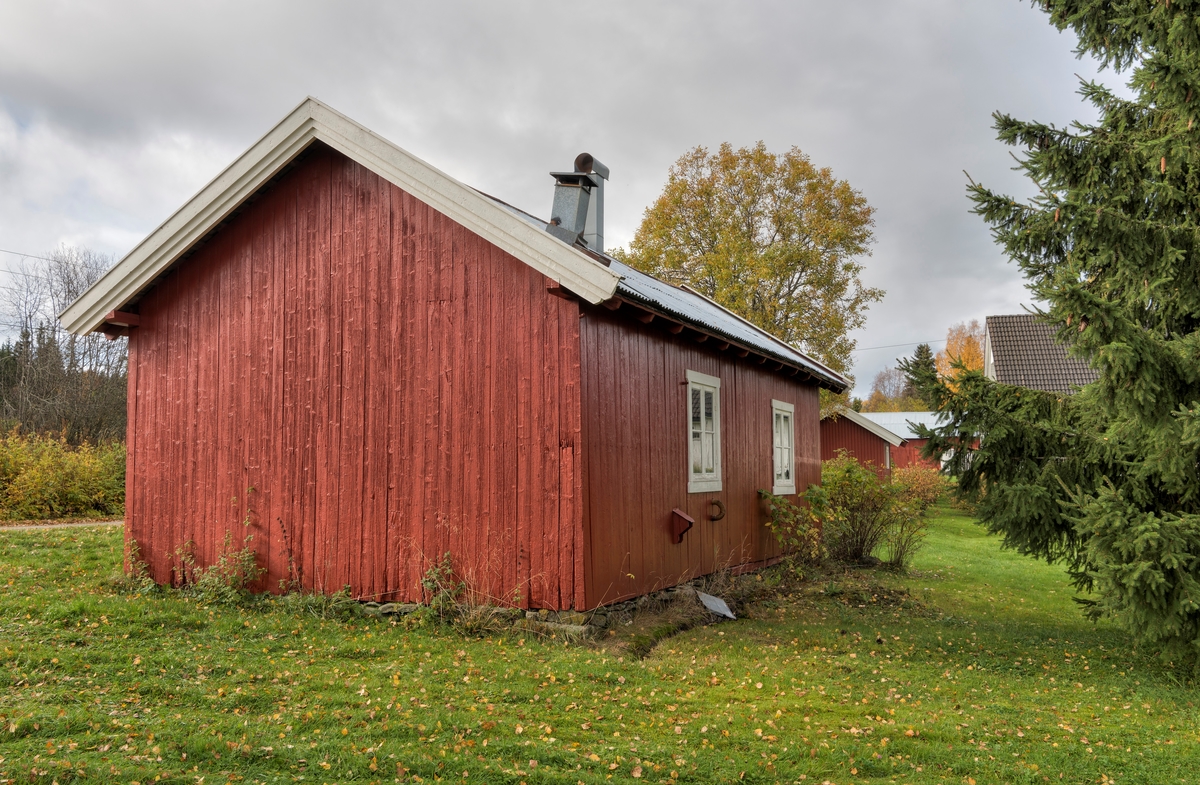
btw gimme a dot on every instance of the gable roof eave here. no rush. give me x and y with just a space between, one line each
871 426
314 121
814 372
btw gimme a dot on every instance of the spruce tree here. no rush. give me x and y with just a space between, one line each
1106 480
921 372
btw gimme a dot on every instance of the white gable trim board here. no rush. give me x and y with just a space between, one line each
893 439
314 121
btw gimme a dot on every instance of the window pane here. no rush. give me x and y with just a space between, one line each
786 428
709 466
696 464
695 409
708 411
778 462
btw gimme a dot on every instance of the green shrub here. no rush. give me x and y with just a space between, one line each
796 528
920 487
858 510
861 514
43 477
905 537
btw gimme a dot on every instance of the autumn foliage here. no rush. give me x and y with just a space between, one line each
769 236
44 477
891 392
862 514
964 350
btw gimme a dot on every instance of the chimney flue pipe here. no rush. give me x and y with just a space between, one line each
578 211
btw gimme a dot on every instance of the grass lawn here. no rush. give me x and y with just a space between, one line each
984 672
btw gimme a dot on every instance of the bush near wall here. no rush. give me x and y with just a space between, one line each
920 486
862 514
43 477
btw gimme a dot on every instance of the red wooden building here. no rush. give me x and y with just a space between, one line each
373 365
901 424
865 441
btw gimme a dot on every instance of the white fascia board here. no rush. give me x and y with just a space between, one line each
989 362
313 120
872 426
565 264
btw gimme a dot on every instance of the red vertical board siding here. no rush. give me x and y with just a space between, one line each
635 448
391 386
910 455
862 445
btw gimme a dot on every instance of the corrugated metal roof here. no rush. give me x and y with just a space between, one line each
694 308
898 422
867 424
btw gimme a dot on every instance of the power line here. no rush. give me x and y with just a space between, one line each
894 345
28 255
64 261
42 258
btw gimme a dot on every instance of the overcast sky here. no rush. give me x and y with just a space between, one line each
113 114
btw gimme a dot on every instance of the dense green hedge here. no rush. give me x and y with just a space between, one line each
44 477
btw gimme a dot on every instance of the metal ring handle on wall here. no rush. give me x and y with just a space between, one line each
720 505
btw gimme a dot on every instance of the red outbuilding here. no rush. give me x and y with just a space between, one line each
865 441
371 365
901 424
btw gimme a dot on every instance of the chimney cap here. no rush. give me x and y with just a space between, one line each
576 178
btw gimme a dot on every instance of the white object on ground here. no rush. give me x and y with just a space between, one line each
716 605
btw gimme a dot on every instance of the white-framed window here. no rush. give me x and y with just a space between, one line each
783 439
704 432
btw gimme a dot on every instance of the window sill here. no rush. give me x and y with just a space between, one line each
704 486
783 490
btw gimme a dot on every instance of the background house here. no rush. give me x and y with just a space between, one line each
1020 350
870 443
372 365
899 423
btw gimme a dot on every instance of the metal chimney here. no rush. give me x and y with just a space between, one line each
593 233
578 211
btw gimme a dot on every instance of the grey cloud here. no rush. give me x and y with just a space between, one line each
113 114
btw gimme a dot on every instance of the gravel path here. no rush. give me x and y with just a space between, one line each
76 525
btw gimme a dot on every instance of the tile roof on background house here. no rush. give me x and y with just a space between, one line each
898 422
1020 350
691 307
